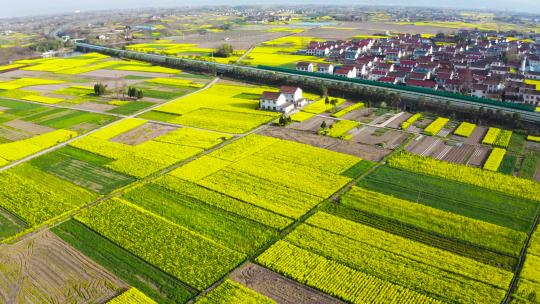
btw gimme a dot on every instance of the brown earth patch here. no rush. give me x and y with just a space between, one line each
44 269
278 287
350 147
94 106
28 127
479 156
143 134
476 136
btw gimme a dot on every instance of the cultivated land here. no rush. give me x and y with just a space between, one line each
194 194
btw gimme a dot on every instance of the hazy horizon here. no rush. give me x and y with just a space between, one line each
39 7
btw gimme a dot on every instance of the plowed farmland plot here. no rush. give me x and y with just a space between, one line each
155 283
277 287
44 269
479 156
425 146
459 155
371 153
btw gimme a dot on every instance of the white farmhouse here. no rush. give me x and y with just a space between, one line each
292 94
275 101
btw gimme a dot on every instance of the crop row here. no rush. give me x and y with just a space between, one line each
399 260
453 196
341 128
474 176
503 139
23 148
491 136
232 292
151 156
436 126
334 278
528 287
407 123
343 112
132 296
441 222
494 160
224 202
427 237
36 196
465 129
230 230
184 254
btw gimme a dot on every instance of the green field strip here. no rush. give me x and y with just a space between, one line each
160 286
472 201
466 249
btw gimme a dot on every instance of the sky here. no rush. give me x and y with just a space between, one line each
42 7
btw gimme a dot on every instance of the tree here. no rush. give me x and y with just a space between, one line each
326 100
324 126
140 94
333 102
224 51
324 91
99 89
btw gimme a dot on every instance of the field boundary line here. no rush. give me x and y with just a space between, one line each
521 261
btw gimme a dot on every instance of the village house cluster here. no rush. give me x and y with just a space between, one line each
484 64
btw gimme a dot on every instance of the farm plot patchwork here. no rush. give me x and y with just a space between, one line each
148 157
358 263
435 227
240 170
155 283
224 108
190 257
474 176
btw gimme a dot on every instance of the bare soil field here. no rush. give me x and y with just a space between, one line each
425 146
390 139
44 269
240 39
476 136
479 156
396 123
94 106
531 145
459 155
351 147
312 124
28 127
13 134
278 287
358 115
143 134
